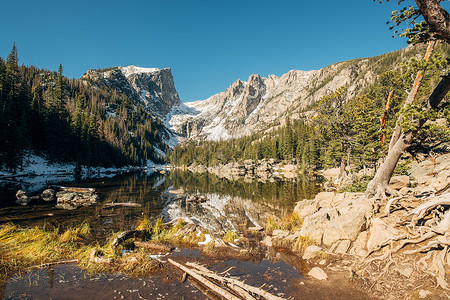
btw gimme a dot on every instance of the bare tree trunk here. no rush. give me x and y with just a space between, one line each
411 95
379 185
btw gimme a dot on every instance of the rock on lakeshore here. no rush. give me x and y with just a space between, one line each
73 200
318 273
331 217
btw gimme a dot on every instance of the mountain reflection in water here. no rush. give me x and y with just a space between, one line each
230 204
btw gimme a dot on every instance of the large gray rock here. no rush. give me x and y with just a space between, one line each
311 251
48 195
399 181
73 200
22 198
305 208
337 217
344 227
314 225
318 273
343 247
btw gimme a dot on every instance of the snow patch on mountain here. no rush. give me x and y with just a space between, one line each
131 70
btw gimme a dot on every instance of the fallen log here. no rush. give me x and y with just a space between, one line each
153 246
227 295
125 235
204 271
71 189
126 204
61 262
239 290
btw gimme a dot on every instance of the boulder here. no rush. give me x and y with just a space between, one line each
343 247
345 227
310 251
267 241
305 208
379 233
398 182
48 195
71 200
22 198
318 273
359 244
294 236
331 174
324 198
280 234
314 225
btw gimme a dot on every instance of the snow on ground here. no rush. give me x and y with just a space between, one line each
38 172
217 133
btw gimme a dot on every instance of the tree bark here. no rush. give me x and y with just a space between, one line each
436 17
379 185
412 94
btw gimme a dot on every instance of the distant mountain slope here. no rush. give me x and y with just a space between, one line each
250 106
153 88
260 103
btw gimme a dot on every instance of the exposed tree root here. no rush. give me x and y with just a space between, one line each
436 231
420 211
387 209
440 277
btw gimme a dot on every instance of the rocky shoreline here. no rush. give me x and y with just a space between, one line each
384 245
263 170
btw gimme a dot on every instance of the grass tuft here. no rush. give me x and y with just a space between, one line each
291 222
230 236
302 243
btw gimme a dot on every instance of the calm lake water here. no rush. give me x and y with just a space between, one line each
230 205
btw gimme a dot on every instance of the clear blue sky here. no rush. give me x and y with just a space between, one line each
208 44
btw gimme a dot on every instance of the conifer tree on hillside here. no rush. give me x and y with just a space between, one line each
436 26
66 120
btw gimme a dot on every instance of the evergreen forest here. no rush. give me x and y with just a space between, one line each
339 131
71 120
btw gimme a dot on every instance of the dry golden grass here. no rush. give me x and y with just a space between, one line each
302 243
230 236
291 222
21 248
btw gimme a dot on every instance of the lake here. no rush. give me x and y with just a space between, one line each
230 205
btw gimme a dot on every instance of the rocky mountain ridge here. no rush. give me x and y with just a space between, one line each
245 107
264 102
152 87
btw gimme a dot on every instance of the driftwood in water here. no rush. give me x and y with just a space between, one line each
204 281
204 271
153 246
126 204
123 236
72 189
61 262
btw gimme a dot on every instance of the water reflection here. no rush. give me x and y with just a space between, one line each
230 205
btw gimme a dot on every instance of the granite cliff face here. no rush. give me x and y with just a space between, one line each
153 88
245 107
262 103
